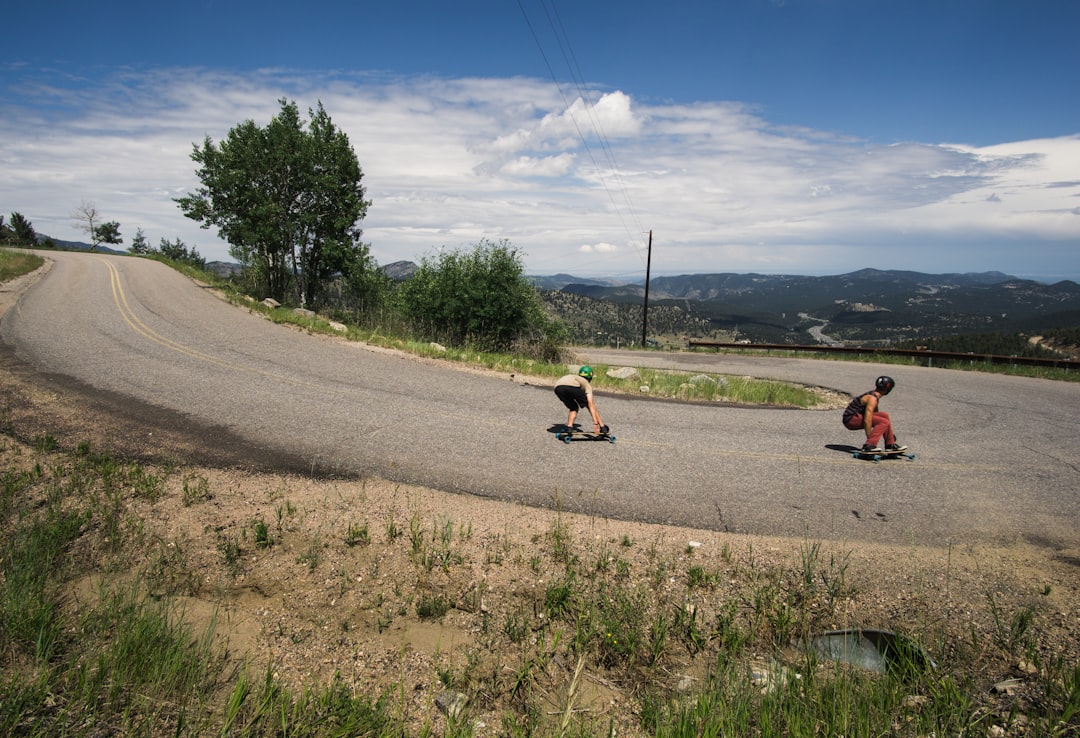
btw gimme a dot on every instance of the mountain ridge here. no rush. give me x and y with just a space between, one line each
863 306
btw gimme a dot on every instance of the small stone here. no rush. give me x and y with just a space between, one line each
451 703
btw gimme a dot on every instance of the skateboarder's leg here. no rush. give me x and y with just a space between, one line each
880 427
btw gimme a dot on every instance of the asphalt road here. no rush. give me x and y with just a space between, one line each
998 458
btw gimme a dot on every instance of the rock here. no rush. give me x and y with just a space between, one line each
437 347
451 703
271 303
1008 686
684 684
304 312
626 372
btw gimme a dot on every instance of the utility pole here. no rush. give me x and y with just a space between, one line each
645 310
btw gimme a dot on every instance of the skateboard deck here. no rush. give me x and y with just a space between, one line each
576 434
879 455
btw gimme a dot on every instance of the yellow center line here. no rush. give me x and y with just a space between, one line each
129 316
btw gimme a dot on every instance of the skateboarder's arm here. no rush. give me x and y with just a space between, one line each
594 412
868 413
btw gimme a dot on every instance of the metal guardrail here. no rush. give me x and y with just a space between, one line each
929 356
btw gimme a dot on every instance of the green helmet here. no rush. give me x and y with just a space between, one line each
585 371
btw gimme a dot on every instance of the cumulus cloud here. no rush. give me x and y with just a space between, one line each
598 248
576 185
545 166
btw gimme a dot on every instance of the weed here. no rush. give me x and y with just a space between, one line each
313 555
144 484
432 607
263 537
1009 633
516 627
357 535
230 553
45 443
416 534
195 489
697 577
168 572
688 630
284 512
28 612
393 532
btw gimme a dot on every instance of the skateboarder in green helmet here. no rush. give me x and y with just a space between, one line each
575 391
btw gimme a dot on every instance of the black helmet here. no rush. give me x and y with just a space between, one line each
885 384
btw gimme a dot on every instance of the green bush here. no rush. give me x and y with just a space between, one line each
479 298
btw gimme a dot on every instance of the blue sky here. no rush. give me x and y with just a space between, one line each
774 136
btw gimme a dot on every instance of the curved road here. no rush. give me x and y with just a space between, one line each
998 458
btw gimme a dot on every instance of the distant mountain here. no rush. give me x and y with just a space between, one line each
224 269
396 270
399 269
559 281
865 306
77 245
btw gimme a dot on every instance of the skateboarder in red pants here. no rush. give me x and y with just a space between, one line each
863 413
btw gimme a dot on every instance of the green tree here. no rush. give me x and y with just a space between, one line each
87 218
139 244
22 231
286 199
365 285
178 251
480 298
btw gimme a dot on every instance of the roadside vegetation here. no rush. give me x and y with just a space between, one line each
692 645
15 263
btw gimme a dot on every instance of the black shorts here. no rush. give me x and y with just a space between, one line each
573 397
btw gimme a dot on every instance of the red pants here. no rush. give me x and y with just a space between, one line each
880 426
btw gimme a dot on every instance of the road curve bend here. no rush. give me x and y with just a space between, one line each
997 458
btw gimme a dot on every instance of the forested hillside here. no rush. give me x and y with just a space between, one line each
866 307
603 322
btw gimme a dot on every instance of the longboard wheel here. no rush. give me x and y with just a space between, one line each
611 439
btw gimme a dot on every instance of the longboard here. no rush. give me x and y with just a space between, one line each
576 434
879 455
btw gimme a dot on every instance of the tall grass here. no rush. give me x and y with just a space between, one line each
15 263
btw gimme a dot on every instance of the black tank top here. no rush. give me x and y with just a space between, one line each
856 406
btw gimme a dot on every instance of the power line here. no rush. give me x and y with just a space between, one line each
583 90
570 60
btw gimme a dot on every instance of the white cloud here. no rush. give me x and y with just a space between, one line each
598 248
545 166
576 185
